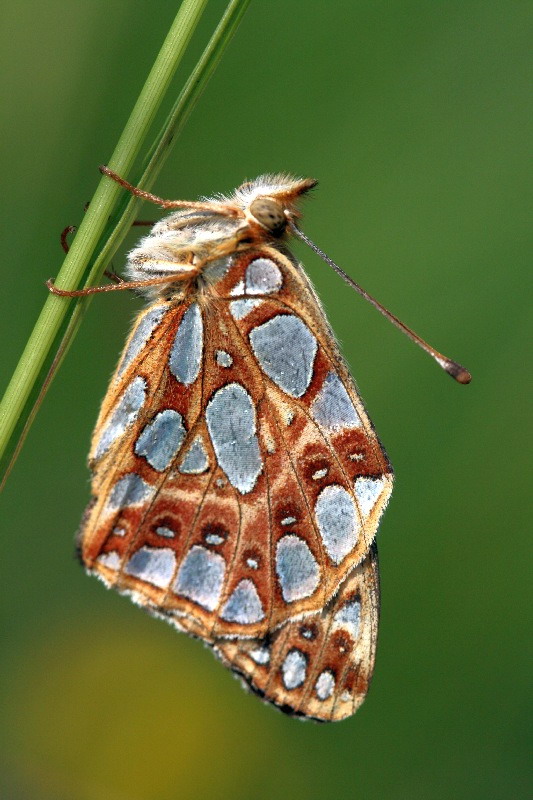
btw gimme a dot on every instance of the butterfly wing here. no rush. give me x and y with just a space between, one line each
237 479
318 666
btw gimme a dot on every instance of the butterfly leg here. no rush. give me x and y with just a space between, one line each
187 274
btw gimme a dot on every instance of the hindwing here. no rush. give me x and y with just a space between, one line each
319 666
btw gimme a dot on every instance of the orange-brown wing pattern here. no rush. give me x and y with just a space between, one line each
318 666
238 482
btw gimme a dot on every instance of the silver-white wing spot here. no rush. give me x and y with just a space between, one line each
213 538
223 358
260 655
147 325
231 423
296 568
332 407
186 353
124 414
367 491
294 669
160 440
166 533
325 685
131 490
243 605
195 461
111 560
154 565
337 521
288 521
263 277
285 349
349 617
240 308
201 576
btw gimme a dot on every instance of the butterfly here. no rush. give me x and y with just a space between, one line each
237 481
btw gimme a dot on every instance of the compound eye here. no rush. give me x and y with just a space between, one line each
269 213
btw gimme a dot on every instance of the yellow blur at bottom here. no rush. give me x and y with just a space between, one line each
126 715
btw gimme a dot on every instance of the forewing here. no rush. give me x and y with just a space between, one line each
329 477
167 523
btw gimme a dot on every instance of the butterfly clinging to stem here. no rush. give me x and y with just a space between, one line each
238 482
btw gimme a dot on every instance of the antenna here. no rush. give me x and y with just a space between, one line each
459 373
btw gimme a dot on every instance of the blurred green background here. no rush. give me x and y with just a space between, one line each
413 116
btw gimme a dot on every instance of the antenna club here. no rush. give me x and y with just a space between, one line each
459 373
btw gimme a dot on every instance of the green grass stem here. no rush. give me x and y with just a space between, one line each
109 217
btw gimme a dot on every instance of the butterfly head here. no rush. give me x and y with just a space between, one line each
270 201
